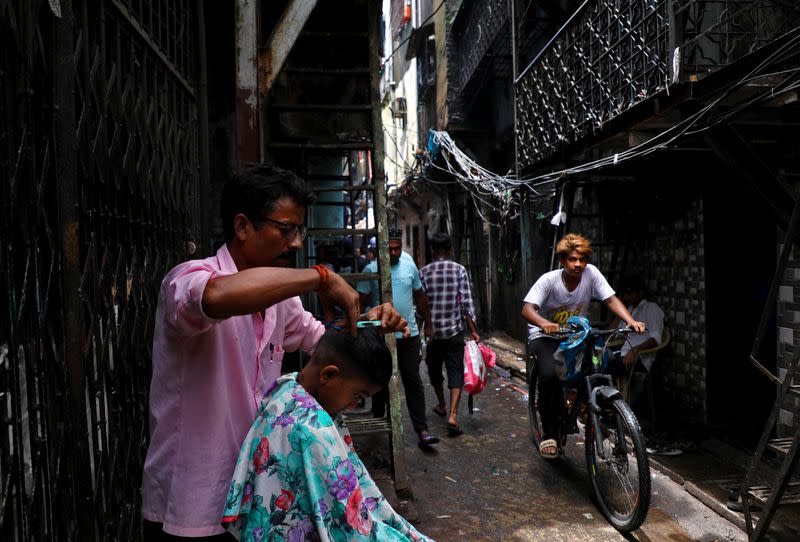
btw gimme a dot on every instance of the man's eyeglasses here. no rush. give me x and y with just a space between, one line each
289 229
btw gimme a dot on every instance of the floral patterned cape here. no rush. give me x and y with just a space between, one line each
298 478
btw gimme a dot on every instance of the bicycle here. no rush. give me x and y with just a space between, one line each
618 468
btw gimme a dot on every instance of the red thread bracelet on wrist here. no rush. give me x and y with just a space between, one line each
324 276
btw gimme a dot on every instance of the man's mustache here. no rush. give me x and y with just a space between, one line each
285 256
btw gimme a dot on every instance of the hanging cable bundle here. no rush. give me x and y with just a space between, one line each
468 172
486 188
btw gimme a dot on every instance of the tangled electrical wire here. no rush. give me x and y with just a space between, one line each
503 194
487 189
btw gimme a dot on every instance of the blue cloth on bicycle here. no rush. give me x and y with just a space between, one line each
570 352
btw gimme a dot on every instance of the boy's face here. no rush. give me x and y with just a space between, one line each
574 263
337 392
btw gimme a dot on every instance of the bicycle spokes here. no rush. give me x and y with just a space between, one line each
618 468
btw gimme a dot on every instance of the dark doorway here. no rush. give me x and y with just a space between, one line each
740 247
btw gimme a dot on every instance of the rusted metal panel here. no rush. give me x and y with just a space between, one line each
282 40
247 129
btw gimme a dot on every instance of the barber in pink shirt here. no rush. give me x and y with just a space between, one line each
222 327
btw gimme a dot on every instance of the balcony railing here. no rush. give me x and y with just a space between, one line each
610 55
613 54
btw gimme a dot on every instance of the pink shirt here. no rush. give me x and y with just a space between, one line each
208 378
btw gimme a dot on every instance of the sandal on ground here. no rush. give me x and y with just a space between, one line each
548 449
454 430
426 439
438 412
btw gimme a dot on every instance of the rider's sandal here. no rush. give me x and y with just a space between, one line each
548 449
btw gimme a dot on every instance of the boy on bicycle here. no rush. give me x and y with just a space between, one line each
554 297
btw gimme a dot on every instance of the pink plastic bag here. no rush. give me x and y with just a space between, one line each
488 354
474 368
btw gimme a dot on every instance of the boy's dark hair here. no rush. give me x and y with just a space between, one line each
255 193
365 355
441 241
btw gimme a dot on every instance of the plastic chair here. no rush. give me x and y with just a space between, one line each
644 378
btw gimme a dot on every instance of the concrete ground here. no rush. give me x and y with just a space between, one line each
708 470
488 484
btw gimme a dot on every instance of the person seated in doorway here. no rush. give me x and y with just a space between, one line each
298 476
633 292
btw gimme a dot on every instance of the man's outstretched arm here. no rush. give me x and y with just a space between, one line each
254 290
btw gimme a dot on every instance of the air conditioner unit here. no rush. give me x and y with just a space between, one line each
399 107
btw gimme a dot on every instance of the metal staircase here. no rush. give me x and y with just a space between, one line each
763 500
322 118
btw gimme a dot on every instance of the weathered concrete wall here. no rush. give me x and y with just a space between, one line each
441 32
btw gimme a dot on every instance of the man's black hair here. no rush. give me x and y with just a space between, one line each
633 283
441 241
365 355
255 193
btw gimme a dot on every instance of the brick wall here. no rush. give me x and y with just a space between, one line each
669 253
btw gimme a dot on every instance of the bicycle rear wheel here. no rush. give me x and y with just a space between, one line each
621 477
534 418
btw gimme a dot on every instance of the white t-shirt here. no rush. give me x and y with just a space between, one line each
652 316
556 303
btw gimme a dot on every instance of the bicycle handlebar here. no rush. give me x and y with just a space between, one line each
564 333
601 332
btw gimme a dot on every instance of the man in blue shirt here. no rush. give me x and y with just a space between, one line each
406 292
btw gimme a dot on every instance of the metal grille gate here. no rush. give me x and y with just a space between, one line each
98 198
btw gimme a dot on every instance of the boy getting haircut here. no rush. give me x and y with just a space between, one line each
365 355
298 476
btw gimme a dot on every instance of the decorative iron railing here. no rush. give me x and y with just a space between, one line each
614 54
98 198
610 55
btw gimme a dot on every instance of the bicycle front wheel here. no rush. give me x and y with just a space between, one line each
620 475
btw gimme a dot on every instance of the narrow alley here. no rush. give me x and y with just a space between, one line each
489 485
210 208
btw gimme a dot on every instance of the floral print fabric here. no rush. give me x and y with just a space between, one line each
298 478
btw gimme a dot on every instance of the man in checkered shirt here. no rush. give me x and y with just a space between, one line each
447 287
